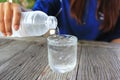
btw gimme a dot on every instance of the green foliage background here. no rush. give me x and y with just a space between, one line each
3 0
25 3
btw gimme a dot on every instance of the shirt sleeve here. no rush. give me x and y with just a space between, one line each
111 35
51 7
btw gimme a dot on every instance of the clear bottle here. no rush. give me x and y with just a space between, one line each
35 23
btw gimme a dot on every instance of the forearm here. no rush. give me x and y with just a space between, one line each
116 40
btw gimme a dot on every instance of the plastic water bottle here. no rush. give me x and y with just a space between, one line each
35 23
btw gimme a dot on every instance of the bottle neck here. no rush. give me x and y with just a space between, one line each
51 22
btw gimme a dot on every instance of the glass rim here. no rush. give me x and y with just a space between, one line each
72 38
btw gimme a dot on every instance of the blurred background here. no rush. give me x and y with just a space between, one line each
25 3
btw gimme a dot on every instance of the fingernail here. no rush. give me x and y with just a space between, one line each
9 34
16 27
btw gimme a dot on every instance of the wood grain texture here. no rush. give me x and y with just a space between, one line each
99 63
27 64
26 59
48 74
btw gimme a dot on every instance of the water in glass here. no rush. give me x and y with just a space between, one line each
62 52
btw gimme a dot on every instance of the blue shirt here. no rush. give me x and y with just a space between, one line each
68 25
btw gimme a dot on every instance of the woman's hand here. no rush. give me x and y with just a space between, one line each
9 11
116 40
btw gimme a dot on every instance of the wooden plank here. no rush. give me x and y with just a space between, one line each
27 39
9 48
99 44
99 63
28 61
48 74
27 64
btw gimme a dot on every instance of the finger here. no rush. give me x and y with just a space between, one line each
8 18
17 16
2 26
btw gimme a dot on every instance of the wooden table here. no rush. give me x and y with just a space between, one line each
26 59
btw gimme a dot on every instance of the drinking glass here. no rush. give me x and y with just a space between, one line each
62 52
